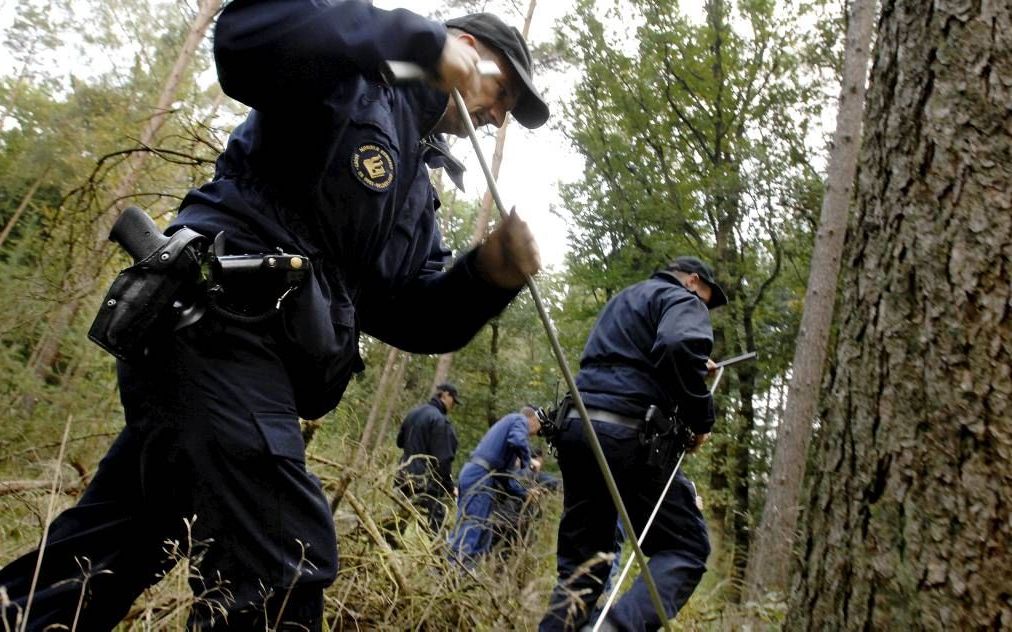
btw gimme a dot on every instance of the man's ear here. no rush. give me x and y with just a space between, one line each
471 40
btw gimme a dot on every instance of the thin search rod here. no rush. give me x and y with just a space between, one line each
588 428
617 585
735 360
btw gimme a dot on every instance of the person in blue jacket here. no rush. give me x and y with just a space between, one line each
331 164
487 474
429 443
650 346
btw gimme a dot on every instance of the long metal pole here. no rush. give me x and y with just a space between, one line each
588 427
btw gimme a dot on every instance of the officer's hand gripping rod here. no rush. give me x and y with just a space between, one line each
617 585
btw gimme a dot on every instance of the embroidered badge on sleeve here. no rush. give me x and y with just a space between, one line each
373 167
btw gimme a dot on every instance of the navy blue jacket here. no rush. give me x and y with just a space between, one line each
649 346
330 163
427 431
505 442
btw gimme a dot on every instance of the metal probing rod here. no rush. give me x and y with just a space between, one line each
735 360
588 428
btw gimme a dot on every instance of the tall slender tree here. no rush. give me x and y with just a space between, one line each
769 560
485 214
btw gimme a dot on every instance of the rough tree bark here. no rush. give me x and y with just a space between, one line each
769 561
907 520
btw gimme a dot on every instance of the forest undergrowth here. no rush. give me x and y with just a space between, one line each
394 575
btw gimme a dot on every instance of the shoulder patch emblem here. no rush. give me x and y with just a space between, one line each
373 167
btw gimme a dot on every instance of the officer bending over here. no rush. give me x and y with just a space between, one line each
650 346
330 164
485 476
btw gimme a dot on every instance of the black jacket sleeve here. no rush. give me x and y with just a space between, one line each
685 338
437 311
272 53
443 445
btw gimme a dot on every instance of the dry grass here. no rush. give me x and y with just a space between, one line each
410 586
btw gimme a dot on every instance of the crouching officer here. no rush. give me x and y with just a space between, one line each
430 445
485 476
649 347
330 164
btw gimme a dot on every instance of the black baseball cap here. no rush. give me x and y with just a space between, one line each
705 272
447 387
531 111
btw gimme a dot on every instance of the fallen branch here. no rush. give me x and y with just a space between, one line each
377 538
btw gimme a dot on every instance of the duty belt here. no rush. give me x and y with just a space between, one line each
608 417
480 462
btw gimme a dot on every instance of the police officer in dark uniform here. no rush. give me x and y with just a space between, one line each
430 445
329 164
650 346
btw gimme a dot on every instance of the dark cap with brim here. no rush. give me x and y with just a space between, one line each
447 387
531 111
693 265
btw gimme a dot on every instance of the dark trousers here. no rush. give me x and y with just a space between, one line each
677 543
211 466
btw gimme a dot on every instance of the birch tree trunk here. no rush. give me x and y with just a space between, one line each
907 519
19 211
83 279
769 561
385 390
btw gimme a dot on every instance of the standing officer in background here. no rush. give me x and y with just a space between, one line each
650 346
485 476
430 445
330 164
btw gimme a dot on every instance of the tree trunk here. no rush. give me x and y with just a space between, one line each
383 394
397 381
770 560
493 372
25 201
741 453
83 278
907 520
366 441
442 370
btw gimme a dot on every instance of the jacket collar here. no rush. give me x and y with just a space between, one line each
435 401
664 275
437 155
428 104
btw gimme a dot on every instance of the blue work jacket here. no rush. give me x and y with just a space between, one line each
330 163
505 442
649 346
